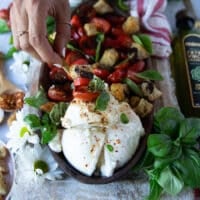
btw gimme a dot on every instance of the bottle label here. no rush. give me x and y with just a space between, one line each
192 57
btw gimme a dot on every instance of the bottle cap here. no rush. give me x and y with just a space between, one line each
184 15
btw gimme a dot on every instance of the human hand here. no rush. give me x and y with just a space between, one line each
28 24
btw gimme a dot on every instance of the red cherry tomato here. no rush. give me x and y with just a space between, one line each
101 73
88 45
122 65
115 20
58 94
101 24
138 66
81 81
85 96
117 76
80 61
75 21
71 57
58 75
132 75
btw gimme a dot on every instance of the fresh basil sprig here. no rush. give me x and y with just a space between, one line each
172 159
96 84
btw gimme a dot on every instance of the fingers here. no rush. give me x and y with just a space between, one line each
38 39
63 29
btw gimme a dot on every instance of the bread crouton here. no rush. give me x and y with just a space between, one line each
131 25
119 90
90 29
109 58
102 7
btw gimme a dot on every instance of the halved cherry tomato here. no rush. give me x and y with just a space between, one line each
117 76
4 14
58 75
85 96
80 61
101 24
132 75
138 66
88 45
72 57
115 20
124 41
101 73
75 21
56 93
81 81
123 65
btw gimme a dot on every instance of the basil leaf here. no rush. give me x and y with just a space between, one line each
133 86
155 190
159 144
170 182
102 101
137 40
33 121
150 75
146 42
189 166
48 133
174 154
96 85
57 112
99 38
23 131
4 26
167 121
39 99
10 53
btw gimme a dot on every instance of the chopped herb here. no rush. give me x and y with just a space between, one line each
33 121
96 84
137 39
110 147
102 101
145 40
124 119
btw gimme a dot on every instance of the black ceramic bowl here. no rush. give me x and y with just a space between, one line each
118 173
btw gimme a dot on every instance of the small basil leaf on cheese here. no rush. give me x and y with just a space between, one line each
110 147
102 101
124 119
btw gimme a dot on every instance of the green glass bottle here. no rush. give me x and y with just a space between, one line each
186 64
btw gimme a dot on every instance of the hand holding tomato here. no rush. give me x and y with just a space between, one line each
28 24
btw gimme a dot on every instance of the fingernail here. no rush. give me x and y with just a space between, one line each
64 52
57 65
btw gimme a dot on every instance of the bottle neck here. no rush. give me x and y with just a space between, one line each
185 24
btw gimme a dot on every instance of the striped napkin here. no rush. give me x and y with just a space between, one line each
154 23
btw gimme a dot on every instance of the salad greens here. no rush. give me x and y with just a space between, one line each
4 26
172 159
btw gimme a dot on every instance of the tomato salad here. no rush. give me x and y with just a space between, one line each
109 46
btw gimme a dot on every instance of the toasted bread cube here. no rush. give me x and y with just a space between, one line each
90 29
3 185
3 151
131 25
102 7
109 58
119 90
150 91
141 51
143 108
134 101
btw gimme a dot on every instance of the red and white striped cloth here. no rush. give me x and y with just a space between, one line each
154 23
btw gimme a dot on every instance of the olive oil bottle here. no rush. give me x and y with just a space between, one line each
186 64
